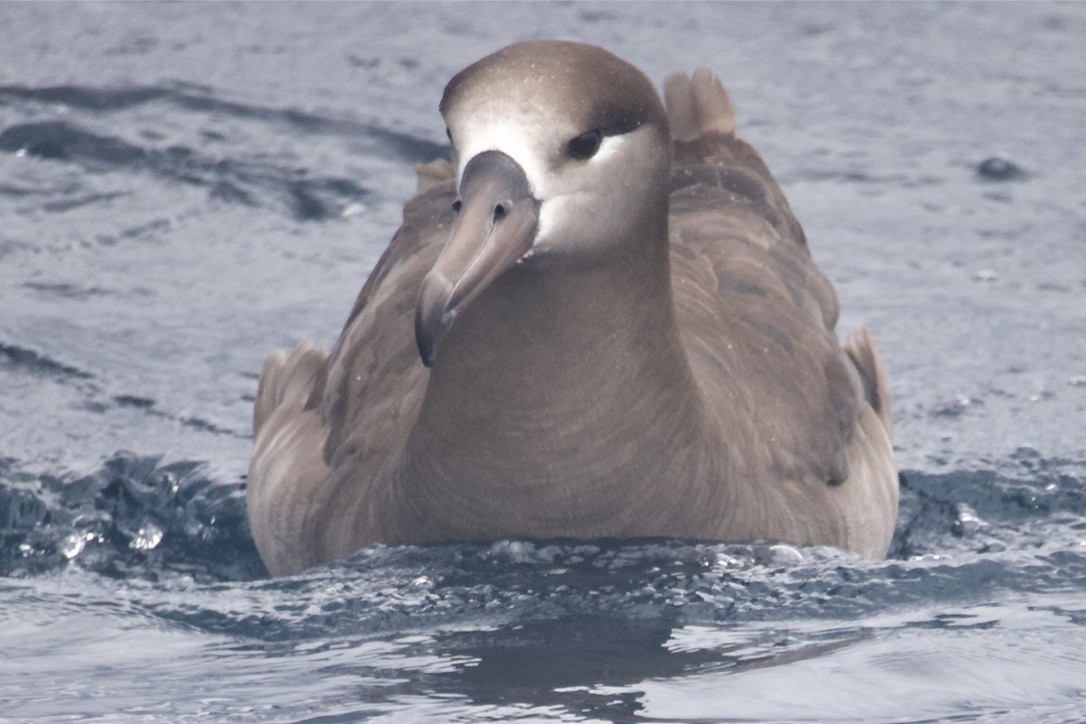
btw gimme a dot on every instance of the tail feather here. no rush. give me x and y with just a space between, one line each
861 350
697 106
287 380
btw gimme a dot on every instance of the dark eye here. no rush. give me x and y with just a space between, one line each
585 145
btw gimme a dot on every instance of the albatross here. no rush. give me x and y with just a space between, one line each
599 319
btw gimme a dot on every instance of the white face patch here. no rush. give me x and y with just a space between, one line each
608 148
529 143
516 140
550 214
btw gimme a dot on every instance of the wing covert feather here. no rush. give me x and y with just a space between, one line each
757 316
375 360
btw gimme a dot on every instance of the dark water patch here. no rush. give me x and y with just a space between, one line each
141 403
231 193
83 97
547 663
595 16
860 177
63 141
309 198
62 290
1000 169
151 229
955 408
36 363
22 191
813 30
149 407
81 201
14 246
990 512
135 518
93 395
311 201
389 143
358 61
998 197
204 425
573 665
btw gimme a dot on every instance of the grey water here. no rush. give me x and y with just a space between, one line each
186 187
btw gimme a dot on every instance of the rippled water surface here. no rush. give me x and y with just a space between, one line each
184 188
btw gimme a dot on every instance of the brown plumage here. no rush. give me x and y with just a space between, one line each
627 337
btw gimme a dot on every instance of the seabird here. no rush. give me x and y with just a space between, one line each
600 320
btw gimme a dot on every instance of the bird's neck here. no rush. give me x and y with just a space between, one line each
557 383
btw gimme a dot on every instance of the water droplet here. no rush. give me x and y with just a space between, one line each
147 537
785 555
968 522
74 544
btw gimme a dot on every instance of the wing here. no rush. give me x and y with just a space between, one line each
328 429
286 464
757 318
375 380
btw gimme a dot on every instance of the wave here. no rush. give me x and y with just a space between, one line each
134 518
395 144
137 517
309 197
29 363
36 363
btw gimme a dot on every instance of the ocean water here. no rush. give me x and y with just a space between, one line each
186 187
